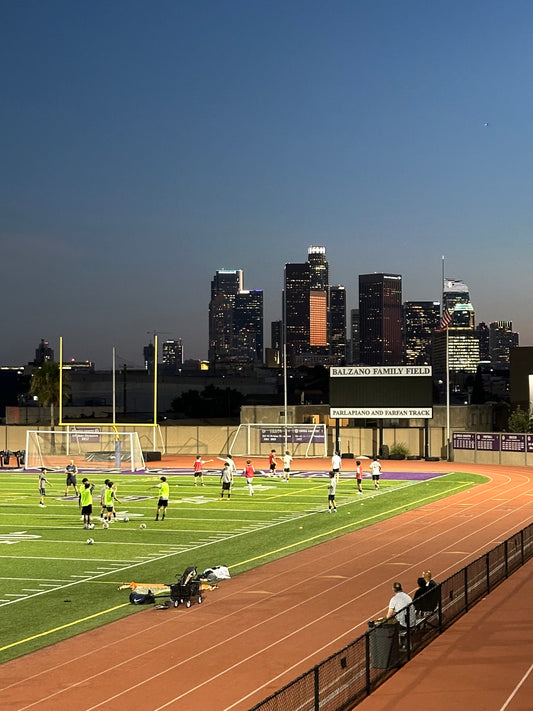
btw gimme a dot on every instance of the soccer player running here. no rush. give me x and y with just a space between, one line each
375 468
249 473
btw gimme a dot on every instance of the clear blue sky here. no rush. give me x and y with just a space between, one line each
146 145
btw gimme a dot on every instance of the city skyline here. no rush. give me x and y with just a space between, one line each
150 147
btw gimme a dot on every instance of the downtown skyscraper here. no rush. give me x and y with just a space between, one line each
380 319
235 320
314 312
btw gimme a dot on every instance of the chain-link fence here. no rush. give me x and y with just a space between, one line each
345 678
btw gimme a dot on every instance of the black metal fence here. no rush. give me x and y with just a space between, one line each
345 678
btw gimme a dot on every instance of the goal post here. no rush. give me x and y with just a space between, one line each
256 440
90 448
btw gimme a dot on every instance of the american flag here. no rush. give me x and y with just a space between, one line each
445 320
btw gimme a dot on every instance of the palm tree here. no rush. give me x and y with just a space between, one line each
45 385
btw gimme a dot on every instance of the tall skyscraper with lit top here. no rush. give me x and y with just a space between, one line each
314 312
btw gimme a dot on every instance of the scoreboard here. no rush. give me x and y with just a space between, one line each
381 391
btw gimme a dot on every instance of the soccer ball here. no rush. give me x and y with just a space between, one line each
91 526
125 519
105 524
142 526
90 541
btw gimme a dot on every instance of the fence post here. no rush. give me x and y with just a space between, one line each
317 689
367 658
506 549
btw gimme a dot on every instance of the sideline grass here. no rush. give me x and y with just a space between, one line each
54 585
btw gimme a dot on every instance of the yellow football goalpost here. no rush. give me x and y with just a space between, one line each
114 424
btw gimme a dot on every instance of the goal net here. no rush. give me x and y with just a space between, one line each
90 448
256 440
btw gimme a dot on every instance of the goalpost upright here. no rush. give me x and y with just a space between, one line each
154 425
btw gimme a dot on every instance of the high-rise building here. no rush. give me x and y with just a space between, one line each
248 326
297 310
149 357
354 336
420 319
482 332
172 355
235 320
43 353
315 313
318 268
501 339
461 338
380 318
337 324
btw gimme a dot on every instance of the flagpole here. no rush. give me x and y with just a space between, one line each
448 453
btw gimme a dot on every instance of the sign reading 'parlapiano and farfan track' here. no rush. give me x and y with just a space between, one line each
381 391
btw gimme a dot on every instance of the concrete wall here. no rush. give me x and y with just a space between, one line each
216 441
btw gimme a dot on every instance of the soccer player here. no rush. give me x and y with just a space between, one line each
336 464
86 502
102 499
164 495
272 462
109 500
359 476
71 471
375 468
287 459
199 469
227 479
332 506
43 481
249 473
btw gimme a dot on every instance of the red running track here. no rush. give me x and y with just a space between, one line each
263 628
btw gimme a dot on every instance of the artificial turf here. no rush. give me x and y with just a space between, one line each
55 584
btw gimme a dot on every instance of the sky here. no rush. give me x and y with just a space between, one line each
146 145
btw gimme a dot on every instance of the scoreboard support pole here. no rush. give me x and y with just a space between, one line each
337 436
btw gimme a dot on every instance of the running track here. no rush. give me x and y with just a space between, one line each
261 629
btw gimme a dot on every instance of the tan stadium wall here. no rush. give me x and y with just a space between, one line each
215 440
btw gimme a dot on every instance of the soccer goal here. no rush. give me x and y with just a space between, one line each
256 440
89 448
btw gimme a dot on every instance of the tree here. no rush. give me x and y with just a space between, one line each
520 421
45 385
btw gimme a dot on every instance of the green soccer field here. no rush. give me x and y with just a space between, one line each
54 584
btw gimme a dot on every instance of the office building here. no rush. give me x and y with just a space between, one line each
43 354
248 326
235 320
337 324
380 319
296 306
420 319
501 339
315 312
354 336
172 356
